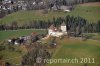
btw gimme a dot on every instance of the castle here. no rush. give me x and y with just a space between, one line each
57 32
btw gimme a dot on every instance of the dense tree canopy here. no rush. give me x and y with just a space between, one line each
77 25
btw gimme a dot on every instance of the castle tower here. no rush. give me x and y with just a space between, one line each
63 27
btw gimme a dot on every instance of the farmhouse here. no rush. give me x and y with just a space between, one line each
65 8
57 32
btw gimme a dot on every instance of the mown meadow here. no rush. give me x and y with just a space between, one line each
76 48
90 13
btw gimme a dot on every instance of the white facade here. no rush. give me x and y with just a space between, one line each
52 31
63 28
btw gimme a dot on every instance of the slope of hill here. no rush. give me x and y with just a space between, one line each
17 33
75 48
87 11
91 4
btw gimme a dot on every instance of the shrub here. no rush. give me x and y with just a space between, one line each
2 47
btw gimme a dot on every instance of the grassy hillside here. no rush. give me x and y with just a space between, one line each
15 57
9 34
12 56
73 48
89 12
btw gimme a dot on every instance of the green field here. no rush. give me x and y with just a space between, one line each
16 33
66 48
71 48
15 57
95 36
91 13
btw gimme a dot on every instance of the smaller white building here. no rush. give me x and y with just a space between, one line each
53 31
65 8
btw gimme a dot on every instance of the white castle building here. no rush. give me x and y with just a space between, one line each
57 32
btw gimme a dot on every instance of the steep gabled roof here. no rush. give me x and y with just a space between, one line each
52 27
63 24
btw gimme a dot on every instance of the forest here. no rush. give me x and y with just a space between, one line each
74 24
